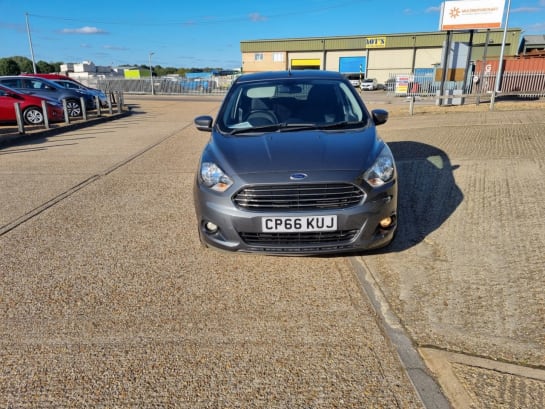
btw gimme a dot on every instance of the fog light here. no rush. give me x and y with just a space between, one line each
211 227
386 222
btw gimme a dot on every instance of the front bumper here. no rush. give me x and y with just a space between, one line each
358 226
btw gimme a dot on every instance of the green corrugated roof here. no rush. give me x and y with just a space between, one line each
359 42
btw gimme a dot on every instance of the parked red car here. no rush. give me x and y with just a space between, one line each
31 107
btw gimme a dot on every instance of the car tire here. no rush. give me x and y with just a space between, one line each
73 107
33 116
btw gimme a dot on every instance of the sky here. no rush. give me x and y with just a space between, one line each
199 34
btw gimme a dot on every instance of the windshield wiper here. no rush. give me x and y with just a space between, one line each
293 127
341 125
262 128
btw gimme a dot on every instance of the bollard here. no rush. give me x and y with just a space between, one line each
119 102
19 116
110 104
83 108
65 109
97 103
411 105
44 112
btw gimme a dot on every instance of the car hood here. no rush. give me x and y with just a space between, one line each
312 150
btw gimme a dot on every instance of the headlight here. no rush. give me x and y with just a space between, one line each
213 177
382 170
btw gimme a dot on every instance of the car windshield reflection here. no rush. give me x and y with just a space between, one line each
290 105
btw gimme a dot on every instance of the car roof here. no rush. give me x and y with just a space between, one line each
48 76
298 74
32 77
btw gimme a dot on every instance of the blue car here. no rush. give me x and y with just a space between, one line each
198 85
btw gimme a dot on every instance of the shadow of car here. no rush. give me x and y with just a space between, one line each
428 193
30 105
45 88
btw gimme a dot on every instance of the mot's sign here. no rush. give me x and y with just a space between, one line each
375 42
471 14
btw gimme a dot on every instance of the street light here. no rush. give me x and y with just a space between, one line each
30 43
151 74
500 62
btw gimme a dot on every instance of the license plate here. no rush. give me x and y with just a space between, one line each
299 224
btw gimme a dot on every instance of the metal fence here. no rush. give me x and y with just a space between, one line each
166 86
518 84
523 84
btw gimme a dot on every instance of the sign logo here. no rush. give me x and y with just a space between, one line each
375 42
455 12
298 176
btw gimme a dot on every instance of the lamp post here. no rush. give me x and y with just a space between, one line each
30 43
151 74
500 62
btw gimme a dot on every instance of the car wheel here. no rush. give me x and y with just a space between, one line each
33 116
73 107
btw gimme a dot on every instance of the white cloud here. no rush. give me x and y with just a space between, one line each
434 9
526 10
115 47
83 30
257 17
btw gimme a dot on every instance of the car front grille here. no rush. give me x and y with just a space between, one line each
298 239
299 197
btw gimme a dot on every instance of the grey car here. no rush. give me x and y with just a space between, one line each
45 88
294 165
103 99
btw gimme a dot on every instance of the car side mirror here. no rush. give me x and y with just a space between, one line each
204 123
380 116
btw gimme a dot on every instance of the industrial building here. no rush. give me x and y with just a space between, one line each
380 55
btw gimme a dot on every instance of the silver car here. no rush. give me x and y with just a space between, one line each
294 165
103 99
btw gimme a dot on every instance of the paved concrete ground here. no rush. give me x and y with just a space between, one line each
107 299
465 274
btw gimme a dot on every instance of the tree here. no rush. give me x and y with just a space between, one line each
57 66
25 64
8 66
45 67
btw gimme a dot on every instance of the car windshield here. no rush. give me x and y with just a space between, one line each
291 104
